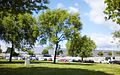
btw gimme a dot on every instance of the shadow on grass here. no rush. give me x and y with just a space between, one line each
77 63
48 71
13 62
49 62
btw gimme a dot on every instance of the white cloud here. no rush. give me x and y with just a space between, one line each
73 10
60 5
96 14
104 41
76 4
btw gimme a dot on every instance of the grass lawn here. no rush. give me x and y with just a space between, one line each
44 68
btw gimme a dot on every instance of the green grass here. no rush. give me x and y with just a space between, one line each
47 68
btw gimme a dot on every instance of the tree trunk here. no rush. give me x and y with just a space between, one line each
82 59
12 49
55 53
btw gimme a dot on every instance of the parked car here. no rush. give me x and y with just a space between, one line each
40 58
7 57
74 60
88 61
14 58
104 61
63 60
33 58
114 62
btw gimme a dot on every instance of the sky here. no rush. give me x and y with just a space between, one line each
92 18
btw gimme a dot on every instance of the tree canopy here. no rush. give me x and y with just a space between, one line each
83 46
30 52
73 44
22 6
113 10
45 51
86 47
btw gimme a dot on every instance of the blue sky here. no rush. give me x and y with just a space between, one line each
92 18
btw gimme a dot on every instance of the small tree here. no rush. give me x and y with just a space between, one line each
118 52
80 46
100 53
45 51
110 53
30 52
86 47
73 44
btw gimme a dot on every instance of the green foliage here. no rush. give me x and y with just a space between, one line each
45 51
110 53
59 52
30 52
8 50
19 30
86 46
113 10
116 34
15 54
22 6
100 53
58 24
118 52
80 46
72 44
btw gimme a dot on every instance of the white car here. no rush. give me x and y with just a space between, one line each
104 61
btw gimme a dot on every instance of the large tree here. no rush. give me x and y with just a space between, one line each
19 31
112 10
57 25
